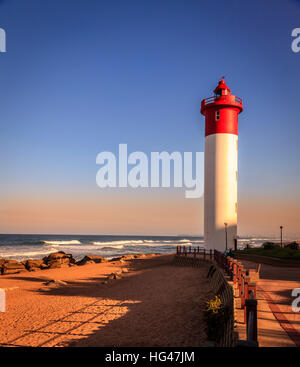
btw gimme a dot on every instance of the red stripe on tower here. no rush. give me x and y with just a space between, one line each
221 111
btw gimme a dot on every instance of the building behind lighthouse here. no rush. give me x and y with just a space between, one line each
221 167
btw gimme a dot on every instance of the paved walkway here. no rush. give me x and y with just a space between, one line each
278 325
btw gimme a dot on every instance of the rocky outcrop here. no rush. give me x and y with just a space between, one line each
11 267
33 265
91 259
126 257
58 260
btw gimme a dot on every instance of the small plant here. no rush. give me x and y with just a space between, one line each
214 305
216 317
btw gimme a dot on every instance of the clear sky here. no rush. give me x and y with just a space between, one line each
80 77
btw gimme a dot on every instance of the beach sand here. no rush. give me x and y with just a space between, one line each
154 304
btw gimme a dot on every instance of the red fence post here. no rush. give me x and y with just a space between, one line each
245 292
235 271
240 270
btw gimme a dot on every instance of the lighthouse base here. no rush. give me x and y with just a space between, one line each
218 240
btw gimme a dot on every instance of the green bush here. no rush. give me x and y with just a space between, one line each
293 245
278 252
270 245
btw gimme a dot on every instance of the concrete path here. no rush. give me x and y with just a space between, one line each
278 325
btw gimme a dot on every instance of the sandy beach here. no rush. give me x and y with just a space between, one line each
152 304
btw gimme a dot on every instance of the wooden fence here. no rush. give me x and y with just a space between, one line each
235 271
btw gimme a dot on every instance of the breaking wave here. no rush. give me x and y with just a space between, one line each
58 243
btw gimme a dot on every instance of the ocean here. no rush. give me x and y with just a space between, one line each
22 247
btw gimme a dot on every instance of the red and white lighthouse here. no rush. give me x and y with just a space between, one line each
221 167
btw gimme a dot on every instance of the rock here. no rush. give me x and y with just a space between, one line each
58 260
97 258
55 256
2 261
125 270
37 264
90 259
33 269
139 256
113 276
116 258
55 282
128 257
123 258
57 265
12 267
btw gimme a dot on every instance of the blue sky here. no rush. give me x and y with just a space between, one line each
80 77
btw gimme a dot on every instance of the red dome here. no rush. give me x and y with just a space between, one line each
221 86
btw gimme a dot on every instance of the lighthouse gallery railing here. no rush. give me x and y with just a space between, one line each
220 99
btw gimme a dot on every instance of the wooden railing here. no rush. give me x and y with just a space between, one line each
246 290
195 252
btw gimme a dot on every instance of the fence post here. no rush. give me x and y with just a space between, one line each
246 292
230 268
241 282
252 288
251 319
235 271
240 270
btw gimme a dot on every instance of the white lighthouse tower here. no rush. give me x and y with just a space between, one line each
221 169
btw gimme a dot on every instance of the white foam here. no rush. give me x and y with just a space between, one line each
58 243
113 243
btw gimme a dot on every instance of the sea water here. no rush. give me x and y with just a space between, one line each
21 247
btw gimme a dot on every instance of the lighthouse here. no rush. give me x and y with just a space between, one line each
221 167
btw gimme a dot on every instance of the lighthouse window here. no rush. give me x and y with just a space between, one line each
217 115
